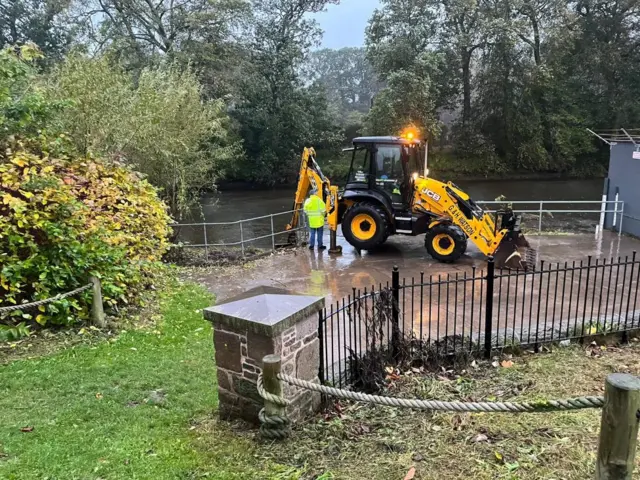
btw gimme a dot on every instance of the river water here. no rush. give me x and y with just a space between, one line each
233 205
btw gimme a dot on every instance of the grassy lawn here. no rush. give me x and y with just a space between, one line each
142 405
125 408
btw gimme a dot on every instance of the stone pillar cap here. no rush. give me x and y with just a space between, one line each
264 313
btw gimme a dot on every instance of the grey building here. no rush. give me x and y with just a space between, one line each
623 179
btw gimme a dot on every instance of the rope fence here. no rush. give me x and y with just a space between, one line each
446 406
97 309
618 432
60 296
276 426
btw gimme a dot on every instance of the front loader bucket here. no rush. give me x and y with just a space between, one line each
514 252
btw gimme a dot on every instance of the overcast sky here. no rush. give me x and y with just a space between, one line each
344 24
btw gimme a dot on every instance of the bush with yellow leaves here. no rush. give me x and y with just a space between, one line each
65 217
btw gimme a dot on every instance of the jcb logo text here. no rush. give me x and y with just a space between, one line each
431 194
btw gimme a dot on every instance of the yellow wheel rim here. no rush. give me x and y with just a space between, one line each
443 244
363 226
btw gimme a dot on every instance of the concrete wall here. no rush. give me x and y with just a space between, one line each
624 175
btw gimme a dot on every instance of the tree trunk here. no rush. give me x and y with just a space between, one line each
536 39
466 86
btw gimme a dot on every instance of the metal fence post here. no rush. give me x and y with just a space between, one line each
206 244
321 346
621 218
395 312
618 428
615 208
273 235
241 238
488 320
540 219
586 296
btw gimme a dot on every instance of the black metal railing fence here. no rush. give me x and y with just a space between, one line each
478 311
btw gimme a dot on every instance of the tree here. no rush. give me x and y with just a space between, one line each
604 57
139 33
37 21
464 31
347 76
512 67
401 45
277 111
408 100
24 111
159 125
159 27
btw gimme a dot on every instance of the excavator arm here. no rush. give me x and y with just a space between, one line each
310 177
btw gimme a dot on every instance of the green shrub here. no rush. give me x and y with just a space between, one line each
157 123
63 218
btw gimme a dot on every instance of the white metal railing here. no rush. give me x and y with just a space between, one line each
243 238
603 208
542 207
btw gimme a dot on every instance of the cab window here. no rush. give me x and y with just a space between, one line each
388 163
360 166
389 169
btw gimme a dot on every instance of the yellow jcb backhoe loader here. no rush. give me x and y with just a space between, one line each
386 195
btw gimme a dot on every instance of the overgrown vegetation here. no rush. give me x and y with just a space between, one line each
156 123
517 81
65 215
233 89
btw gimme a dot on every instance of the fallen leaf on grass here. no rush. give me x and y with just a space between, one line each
26 429
506 364
410 474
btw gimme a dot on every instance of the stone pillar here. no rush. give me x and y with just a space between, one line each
260 322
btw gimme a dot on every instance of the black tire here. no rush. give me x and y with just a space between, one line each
372 219
462 235
445 243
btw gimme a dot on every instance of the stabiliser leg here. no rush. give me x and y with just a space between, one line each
333 243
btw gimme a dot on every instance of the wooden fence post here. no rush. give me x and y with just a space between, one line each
270 369
619 427
97 311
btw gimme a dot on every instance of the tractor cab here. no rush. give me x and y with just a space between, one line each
383 167
377 198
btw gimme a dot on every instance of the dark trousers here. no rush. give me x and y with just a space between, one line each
313 234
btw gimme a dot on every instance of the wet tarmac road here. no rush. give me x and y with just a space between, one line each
446 302
335 276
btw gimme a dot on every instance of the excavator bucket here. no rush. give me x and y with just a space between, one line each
514 252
